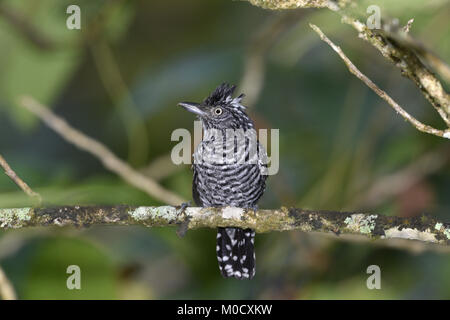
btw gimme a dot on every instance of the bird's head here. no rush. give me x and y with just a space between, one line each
220 110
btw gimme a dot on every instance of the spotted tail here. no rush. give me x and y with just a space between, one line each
236 252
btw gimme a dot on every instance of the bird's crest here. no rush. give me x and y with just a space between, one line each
222 95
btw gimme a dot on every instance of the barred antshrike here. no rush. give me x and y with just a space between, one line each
233 183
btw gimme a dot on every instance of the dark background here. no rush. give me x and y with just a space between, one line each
119 78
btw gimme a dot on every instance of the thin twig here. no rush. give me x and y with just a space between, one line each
408 25
406 59
402 56
6 289
382 94
100 151
18 181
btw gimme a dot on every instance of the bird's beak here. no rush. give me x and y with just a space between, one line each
192 107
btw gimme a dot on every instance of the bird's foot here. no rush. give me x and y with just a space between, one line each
184 225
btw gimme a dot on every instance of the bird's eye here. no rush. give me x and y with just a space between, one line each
218 111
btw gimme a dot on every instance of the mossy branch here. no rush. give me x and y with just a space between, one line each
395 44
371 226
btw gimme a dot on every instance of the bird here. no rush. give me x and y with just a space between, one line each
229 172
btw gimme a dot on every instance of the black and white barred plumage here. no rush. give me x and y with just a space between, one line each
229 172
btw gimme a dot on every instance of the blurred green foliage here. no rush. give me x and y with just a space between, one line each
129 66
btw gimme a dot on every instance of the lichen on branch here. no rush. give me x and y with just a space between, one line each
290 4
368 225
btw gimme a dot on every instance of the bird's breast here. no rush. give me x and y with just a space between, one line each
219 182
